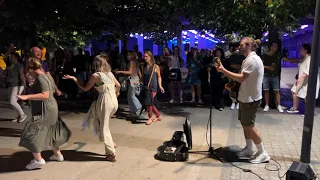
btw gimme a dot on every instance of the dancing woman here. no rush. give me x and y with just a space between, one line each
45 129
151 80
135 74
107 103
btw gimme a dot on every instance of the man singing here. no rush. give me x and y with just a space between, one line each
250 95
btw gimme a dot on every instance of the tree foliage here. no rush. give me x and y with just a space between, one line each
74 22
154 18
247 17
54 22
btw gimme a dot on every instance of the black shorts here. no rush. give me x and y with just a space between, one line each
174 75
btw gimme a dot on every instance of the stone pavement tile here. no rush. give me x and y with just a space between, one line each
137 144
282 136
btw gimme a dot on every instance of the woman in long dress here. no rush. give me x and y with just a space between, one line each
45 130
107 103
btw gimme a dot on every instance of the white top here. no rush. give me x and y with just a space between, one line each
304 68
251 88
174 62
228 53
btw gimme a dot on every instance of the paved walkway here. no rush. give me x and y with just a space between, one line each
137 144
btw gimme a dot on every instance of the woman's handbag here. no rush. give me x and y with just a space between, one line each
124 84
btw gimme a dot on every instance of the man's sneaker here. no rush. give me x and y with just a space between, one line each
181 100
171 101
193 101
292 111
22 118
260 158
245 153
200 101
280 109
233 106
238 106
35 164
266 108
57 158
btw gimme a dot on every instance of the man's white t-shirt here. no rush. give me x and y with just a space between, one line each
251 87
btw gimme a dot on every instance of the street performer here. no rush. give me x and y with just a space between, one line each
250 95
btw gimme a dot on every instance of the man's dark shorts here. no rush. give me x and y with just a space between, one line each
247 113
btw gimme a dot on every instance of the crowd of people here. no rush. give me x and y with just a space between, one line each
107 72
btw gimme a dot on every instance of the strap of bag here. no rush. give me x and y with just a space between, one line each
154 66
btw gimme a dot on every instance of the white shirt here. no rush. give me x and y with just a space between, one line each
174 62
228 53
304 68
251 87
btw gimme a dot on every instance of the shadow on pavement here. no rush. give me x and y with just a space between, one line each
10 132
18 161
5 119
226 156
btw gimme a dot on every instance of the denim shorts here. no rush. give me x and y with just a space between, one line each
271 82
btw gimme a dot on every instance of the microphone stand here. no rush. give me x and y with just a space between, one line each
211 150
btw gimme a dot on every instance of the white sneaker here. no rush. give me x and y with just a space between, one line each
260 158
280 109
57 158
238 106
233 106
171 101
200 101
22 118
266 108
292 111
245 153
35 164
15 120
181 100
193 101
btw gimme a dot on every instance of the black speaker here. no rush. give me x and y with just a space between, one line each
300 171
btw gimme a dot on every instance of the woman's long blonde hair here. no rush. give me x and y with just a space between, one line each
151 55
33 64
100 64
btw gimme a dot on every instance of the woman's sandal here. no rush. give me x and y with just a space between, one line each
157 119
150 121
111 157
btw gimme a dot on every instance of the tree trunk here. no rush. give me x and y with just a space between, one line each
125 39
258 35
31 37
